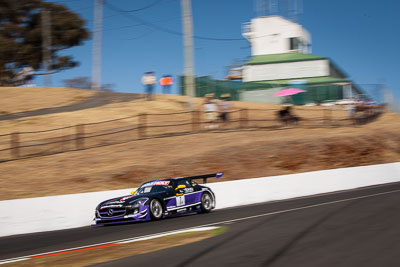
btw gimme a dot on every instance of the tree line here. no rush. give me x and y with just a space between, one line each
21 38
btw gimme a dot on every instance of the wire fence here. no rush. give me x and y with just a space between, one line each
21 145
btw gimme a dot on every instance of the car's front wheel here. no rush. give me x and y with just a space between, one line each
156 209
206 202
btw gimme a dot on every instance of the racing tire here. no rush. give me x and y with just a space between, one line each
206 203
156 210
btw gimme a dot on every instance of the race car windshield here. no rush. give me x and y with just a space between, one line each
147 189
144 190
153 186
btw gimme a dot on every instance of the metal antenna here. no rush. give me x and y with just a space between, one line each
260 5
300 9
270 7
46 44
295 10
287 9
96 60
264 7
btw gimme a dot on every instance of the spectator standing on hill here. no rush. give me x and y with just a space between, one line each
210 110
148 80
166 82
224 107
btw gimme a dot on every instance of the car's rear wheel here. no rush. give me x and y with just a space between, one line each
206 202
156 209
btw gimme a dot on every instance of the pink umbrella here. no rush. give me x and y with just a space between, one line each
289 91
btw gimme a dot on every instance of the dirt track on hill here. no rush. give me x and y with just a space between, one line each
97 100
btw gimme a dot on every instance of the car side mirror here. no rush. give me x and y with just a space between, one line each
133 192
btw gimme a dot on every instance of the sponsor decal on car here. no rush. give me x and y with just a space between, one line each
156 183
114 202
125 198
111 206
180 201
161 183
188 190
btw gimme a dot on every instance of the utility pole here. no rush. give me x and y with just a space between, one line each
188 47
46 44
97 30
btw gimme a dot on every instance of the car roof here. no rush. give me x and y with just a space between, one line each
166 179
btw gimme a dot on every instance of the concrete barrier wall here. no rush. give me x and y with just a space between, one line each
256 190
76 210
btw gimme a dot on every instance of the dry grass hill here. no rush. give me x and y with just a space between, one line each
19 99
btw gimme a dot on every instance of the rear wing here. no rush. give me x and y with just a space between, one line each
205 176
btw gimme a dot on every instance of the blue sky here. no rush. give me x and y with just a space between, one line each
361 36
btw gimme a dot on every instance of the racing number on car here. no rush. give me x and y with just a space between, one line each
180 201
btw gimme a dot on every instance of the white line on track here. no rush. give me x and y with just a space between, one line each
199 229
194 228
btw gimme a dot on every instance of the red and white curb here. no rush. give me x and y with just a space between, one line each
107 244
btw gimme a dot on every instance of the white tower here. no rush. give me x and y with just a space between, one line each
276 35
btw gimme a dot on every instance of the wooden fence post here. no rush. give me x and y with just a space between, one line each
327 115
15 145
195 120
243 118
142 125
80 136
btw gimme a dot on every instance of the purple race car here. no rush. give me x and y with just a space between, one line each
158 199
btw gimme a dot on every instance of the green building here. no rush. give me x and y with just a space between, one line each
281 58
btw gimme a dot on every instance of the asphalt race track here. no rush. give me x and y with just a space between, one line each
352 228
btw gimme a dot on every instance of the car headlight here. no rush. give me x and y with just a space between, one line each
139 202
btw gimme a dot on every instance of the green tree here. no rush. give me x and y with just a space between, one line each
21 37
85 83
